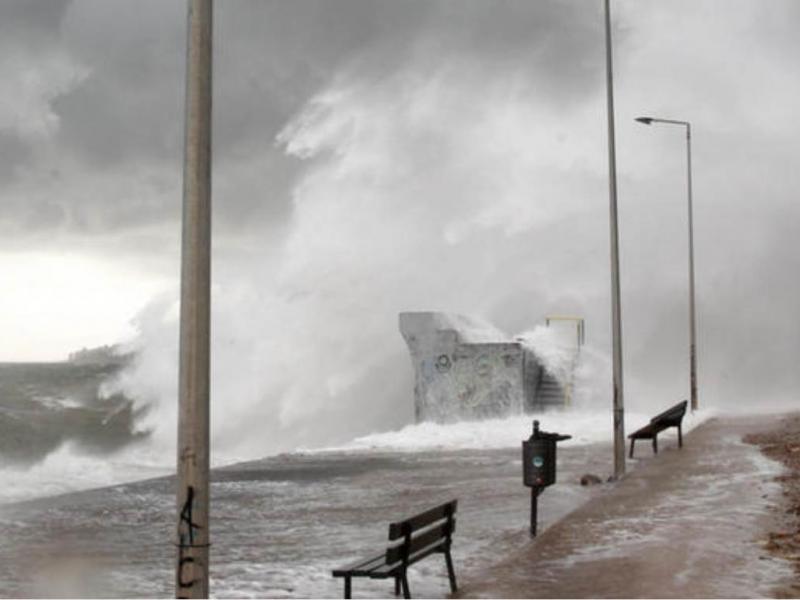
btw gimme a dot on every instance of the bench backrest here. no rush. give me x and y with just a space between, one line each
421 531
671 415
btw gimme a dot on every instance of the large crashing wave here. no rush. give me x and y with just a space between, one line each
434 188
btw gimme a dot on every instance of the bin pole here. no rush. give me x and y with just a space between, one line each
534 509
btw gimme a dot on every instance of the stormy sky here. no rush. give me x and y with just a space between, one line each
372 156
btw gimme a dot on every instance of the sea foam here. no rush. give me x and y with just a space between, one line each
585 427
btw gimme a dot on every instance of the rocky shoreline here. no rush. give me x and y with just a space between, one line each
783 445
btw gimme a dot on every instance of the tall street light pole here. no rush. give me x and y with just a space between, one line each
616 310
692 319
192 536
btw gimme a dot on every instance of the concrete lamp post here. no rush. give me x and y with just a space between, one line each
692 319
616 302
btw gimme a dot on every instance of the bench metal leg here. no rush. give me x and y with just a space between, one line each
396 586
680 437
655 444
406 590
633 441
451 573
348 588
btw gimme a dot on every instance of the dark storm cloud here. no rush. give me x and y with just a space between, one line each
273 55
556 42
27 28
130 105
269 57
31 19
126 112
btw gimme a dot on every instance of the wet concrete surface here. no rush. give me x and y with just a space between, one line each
281 524
687 523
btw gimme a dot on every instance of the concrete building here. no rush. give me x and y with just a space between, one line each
467 370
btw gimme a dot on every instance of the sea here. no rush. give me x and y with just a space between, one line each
87 509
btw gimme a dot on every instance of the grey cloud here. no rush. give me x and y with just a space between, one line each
14 152
31 20
45 216
558 43
270 57
110 127
28 29
130 105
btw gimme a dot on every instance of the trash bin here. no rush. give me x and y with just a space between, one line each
539 464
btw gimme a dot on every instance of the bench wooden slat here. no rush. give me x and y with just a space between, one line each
397 530
645 433
437 533
390 570
672 413
671 417
361 567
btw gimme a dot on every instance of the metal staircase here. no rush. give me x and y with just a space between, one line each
549 391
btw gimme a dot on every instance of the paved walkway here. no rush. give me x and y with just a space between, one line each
687 523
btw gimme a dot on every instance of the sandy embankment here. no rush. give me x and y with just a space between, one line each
782 443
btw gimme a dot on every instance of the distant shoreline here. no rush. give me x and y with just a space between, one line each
109 354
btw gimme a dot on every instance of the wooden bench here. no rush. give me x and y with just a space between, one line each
422 535
671 417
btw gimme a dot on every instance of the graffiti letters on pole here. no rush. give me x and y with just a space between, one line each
186 536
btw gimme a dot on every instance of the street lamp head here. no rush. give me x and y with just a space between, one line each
645 120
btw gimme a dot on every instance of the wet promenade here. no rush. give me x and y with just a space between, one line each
688 523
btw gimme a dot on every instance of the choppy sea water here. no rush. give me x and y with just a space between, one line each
58 433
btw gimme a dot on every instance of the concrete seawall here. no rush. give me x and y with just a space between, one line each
463 369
